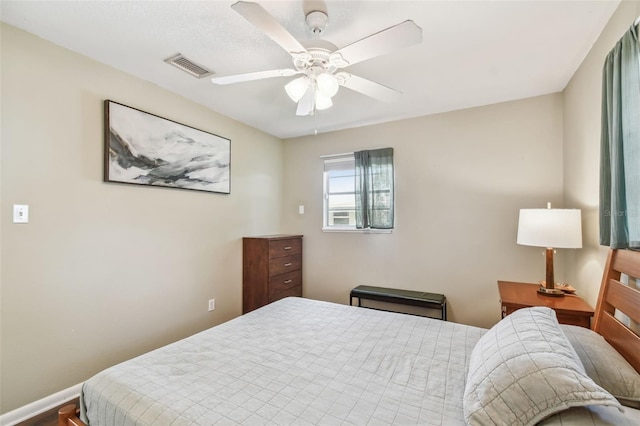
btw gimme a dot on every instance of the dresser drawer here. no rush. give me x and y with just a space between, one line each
281 248
282 265
290 292
285 282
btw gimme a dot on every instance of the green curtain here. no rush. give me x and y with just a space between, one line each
620 145
374 189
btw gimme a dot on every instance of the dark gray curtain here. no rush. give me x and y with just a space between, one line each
620 145
374 189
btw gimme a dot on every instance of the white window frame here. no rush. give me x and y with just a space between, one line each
336 162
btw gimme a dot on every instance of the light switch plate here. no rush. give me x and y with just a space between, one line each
20 213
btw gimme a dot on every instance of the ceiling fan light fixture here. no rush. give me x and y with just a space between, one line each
327 84
297 88
322 101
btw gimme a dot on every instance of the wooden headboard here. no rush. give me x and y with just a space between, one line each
615 295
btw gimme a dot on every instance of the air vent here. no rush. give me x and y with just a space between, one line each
188 66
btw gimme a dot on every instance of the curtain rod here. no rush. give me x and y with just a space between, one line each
336 155
347 153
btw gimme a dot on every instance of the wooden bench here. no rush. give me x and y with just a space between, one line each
401 297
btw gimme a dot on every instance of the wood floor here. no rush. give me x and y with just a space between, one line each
48 418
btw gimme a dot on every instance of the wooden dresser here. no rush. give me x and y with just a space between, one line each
271 269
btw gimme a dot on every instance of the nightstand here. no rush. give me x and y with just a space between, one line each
570 309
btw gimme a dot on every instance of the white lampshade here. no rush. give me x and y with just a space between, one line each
551 228
297 88
322 101
327 84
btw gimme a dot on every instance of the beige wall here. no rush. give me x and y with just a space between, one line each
581 138
106 271
461 178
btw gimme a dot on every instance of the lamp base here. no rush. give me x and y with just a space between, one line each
555 292
548 287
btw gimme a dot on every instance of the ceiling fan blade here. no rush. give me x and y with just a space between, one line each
251 76
370 88
306 103
263 20
386 41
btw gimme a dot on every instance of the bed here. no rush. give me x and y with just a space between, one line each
304 362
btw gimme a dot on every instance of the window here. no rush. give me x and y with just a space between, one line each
358 191
339 192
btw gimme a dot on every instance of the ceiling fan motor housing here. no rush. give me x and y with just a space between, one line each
314 59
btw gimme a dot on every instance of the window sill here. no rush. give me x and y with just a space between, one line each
358 231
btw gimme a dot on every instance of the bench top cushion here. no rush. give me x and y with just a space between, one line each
399 293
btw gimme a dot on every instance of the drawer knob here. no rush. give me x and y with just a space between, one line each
287 281
288 248
288 264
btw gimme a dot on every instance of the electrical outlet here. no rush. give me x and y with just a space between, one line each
212 305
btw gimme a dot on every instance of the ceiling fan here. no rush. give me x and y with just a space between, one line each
319 62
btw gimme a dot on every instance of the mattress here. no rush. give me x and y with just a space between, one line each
300 362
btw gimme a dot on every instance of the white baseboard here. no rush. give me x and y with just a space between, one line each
33 409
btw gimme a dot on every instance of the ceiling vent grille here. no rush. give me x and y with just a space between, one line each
188 66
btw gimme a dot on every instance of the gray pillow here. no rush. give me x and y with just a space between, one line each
605 365
523 370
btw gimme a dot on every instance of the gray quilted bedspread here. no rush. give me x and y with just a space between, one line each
294 362
297 362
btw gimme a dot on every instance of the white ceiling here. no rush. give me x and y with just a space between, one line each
473 52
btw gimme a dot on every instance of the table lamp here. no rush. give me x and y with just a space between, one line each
552 229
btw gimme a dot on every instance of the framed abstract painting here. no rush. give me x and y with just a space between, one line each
145 149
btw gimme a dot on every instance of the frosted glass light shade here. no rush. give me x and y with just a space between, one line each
322 101
327 84
297 88
551 228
